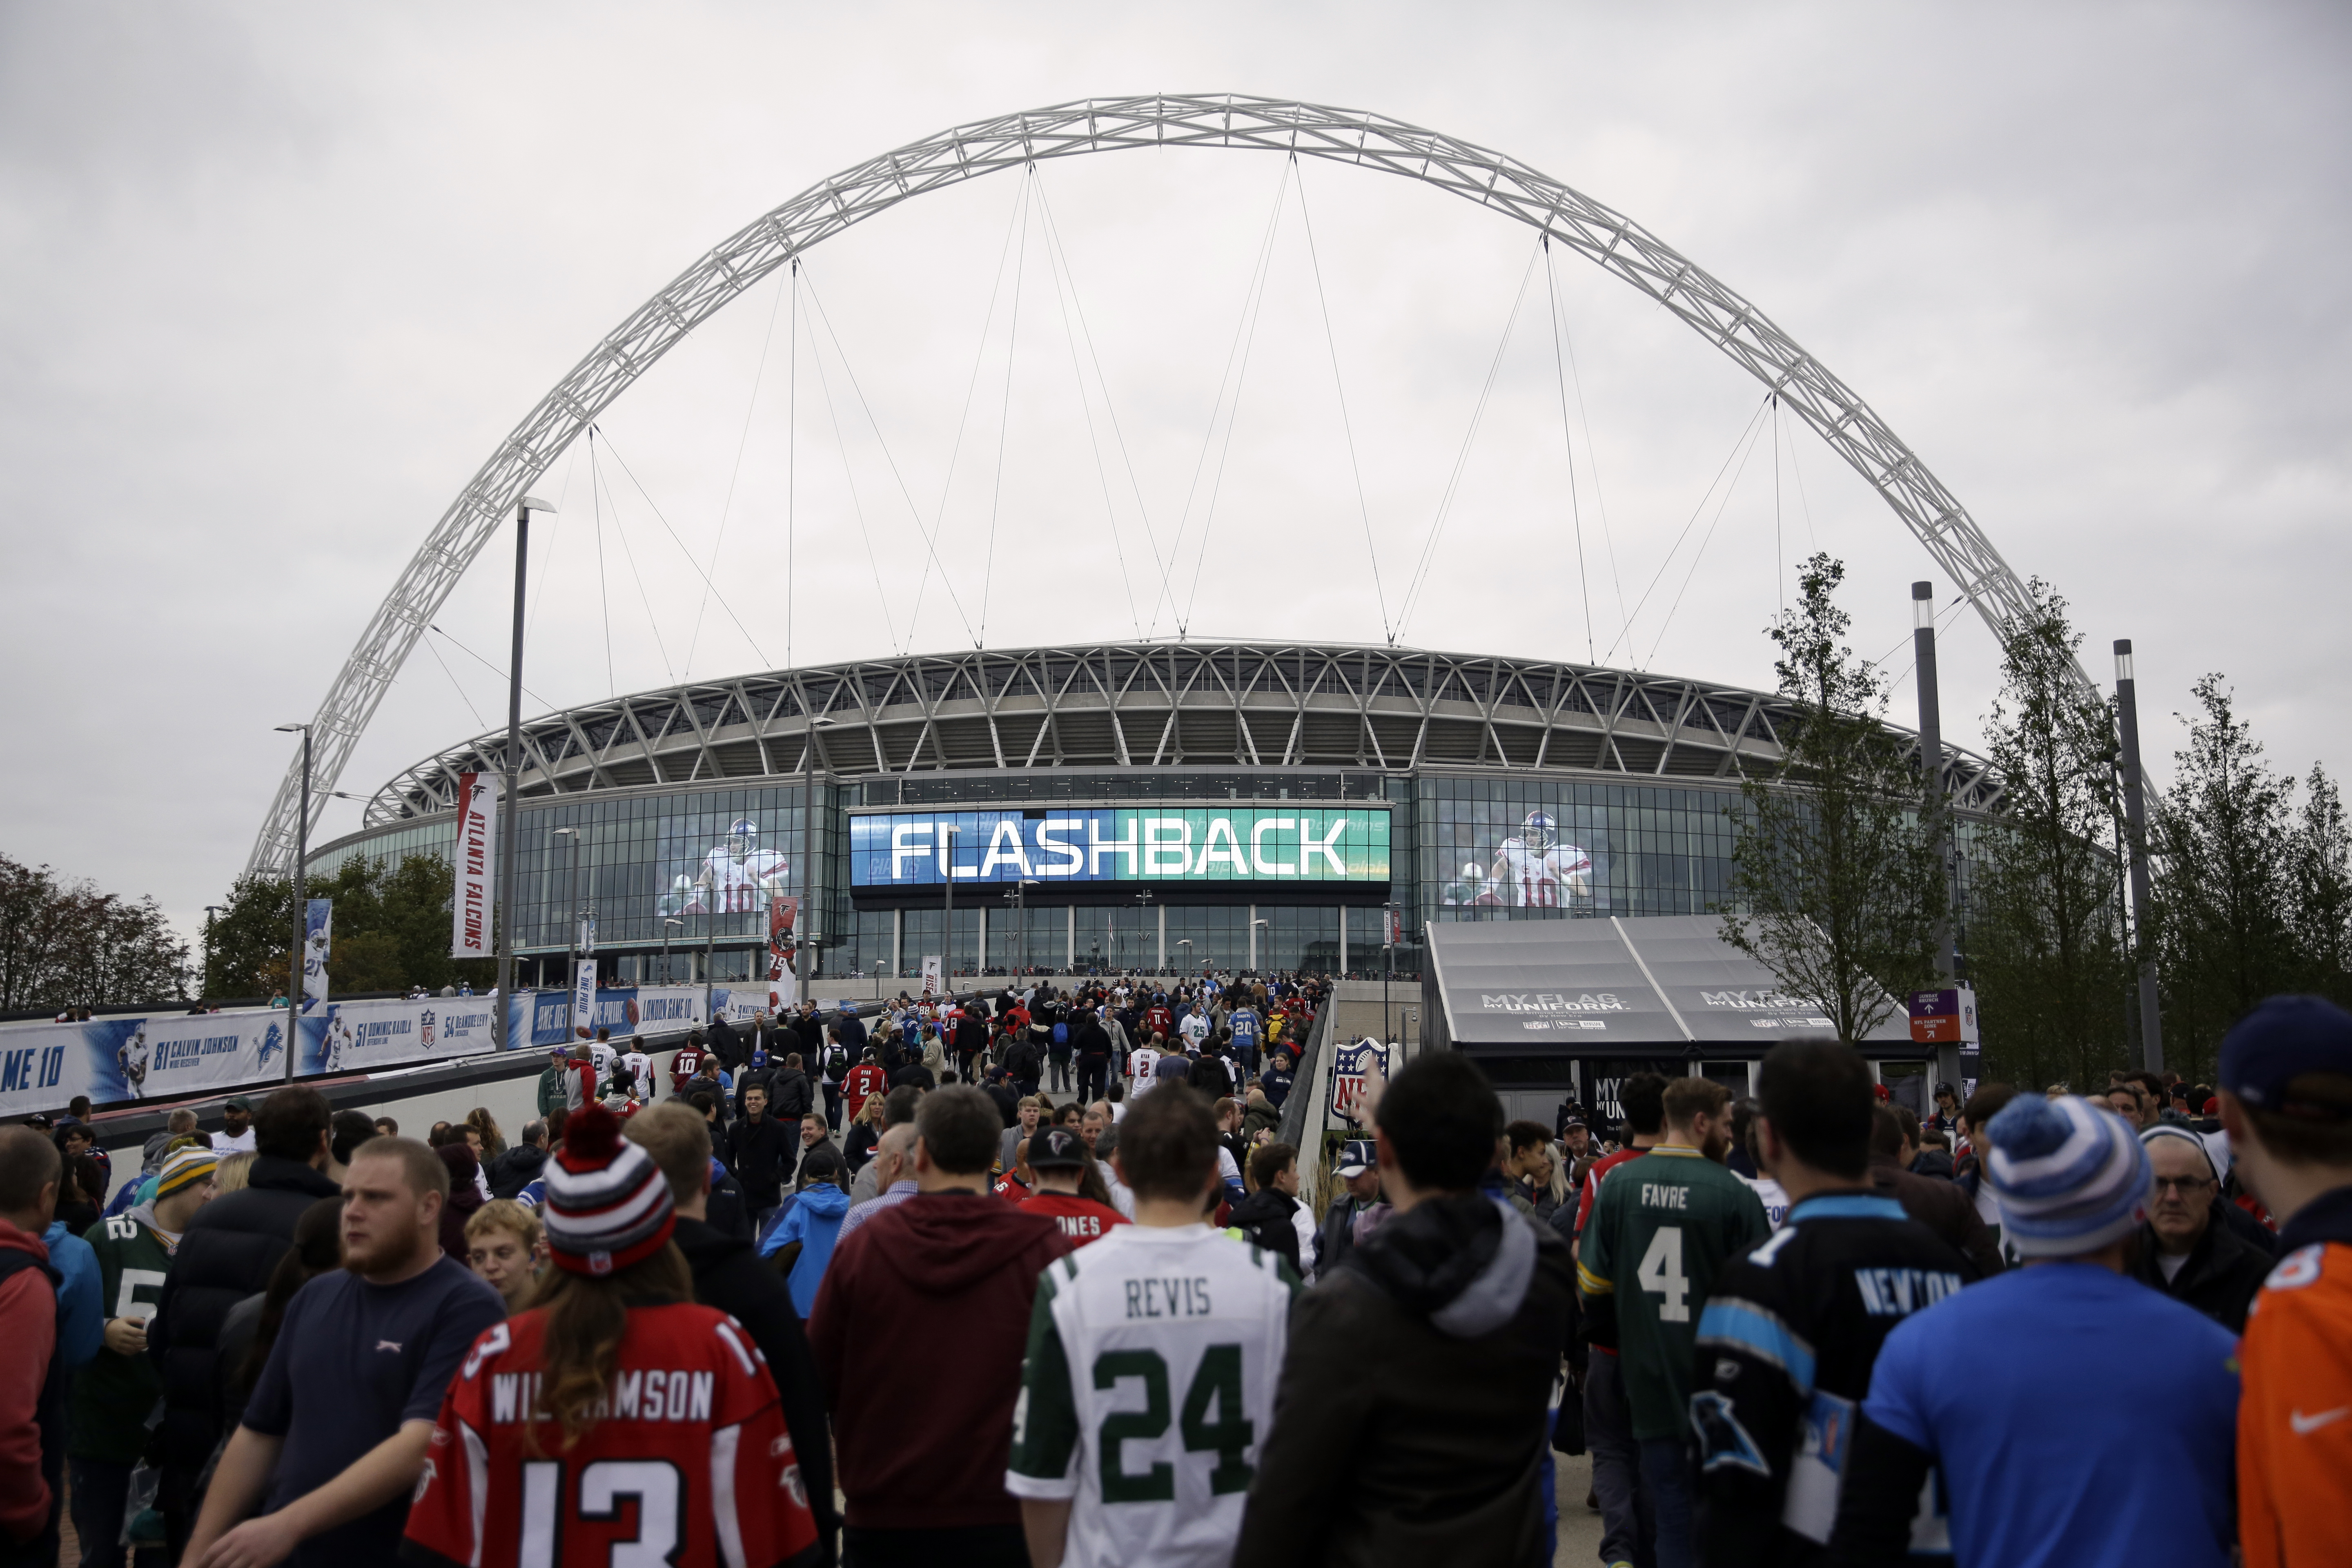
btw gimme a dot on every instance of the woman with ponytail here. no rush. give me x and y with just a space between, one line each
612 1387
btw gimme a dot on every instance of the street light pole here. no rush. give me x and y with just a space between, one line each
808 856
509 819
947 920
301 924
2151 1016
666 976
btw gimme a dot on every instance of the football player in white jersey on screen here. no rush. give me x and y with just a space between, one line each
131 1058
1158 1317
1537 871
740 874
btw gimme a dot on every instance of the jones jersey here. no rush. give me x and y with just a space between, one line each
1661 1230
1148 1389
738 885
689 1463
1083 1220
1786 1345
1545 878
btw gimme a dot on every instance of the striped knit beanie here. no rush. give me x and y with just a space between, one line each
184 1168
608 1205
2071 1177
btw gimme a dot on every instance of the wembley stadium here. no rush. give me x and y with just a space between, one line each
1113 805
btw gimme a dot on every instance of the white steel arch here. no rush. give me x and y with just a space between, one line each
1607 239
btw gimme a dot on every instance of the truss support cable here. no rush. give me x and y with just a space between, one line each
480 721
751 406
1110 407
653 622
1593 463
603 587
1056 266
1250 293
1705 540
849 477
1340 387
654 508
1462 458
1745 438
1004 416
930 545
1568 443
486 664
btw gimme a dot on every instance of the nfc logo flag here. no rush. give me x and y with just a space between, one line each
1351 1066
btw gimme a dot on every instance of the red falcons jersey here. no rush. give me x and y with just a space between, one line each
687 1062
689 1462
864 1079
1082 1219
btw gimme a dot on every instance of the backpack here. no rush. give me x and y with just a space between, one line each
836 1061
1061 1034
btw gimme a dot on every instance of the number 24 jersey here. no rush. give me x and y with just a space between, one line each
688 1464
1148 1389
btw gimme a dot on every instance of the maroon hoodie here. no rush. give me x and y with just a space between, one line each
920 1330
28 1327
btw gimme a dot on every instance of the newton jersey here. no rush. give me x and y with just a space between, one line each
1662 1229
1148 1389
1545 878
687 1464
1786 1345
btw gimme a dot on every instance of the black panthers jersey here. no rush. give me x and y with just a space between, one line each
1785 1348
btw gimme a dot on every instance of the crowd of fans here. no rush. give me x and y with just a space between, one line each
1028 1279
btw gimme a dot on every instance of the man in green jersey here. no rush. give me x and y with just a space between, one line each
1661 1230
116 1390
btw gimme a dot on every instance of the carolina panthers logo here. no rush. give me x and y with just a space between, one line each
1722 1440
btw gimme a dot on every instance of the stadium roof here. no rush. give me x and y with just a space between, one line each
1142 705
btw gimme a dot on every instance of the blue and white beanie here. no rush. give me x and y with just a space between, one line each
2071 1177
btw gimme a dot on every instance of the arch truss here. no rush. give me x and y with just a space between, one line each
1607 239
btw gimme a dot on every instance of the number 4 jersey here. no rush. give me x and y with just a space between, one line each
688 1463
1153 1359
1661 1226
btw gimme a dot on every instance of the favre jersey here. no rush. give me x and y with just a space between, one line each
1148 1389
688 1463
1540 879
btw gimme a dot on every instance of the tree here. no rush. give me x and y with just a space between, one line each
2044 936
392 931
2322 908
1837 887
2225 865
66 944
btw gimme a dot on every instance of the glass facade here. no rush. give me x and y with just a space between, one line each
680 862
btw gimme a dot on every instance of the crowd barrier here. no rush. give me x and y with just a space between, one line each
172 1055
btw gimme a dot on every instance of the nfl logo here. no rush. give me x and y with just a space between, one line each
600 1263
1350 1064
425 1029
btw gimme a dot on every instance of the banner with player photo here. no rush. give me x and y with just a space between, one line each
733 876
784 979
318 947
543 1020
1533 863
165 1056
476 857
359 1037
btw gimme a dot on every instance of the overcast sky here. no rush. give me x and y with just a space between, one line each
277 279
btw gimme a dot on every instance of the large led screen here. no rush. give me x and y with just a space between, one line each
1267 845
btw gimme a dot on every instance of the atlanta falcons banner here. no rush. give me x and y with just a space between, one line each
477 854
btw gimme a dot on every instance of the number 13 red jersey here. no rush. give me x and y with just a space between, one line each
689 1462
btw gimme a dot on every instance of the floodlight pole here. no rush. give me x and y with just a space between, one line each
1936 819
2151 1016
509 819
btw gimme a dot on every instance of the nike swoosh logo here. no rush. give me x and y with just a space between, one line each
2305 1425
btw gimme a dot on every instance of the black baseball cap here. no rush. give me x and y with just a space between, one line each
1356 1156
1056 1148
2286 1039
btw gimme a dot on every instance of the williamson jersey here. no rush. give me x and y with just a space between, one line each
687 1464
1785 1345
1148 1389
2295 1416
1661 1231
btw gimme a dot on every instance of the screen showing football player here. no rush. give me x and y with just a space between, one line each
737 876
1537 870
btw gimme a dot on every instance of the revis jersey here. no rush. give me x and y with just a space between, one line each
640 1069
1785 1345
1148 1388
688 1463
1547 878
1661 1229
